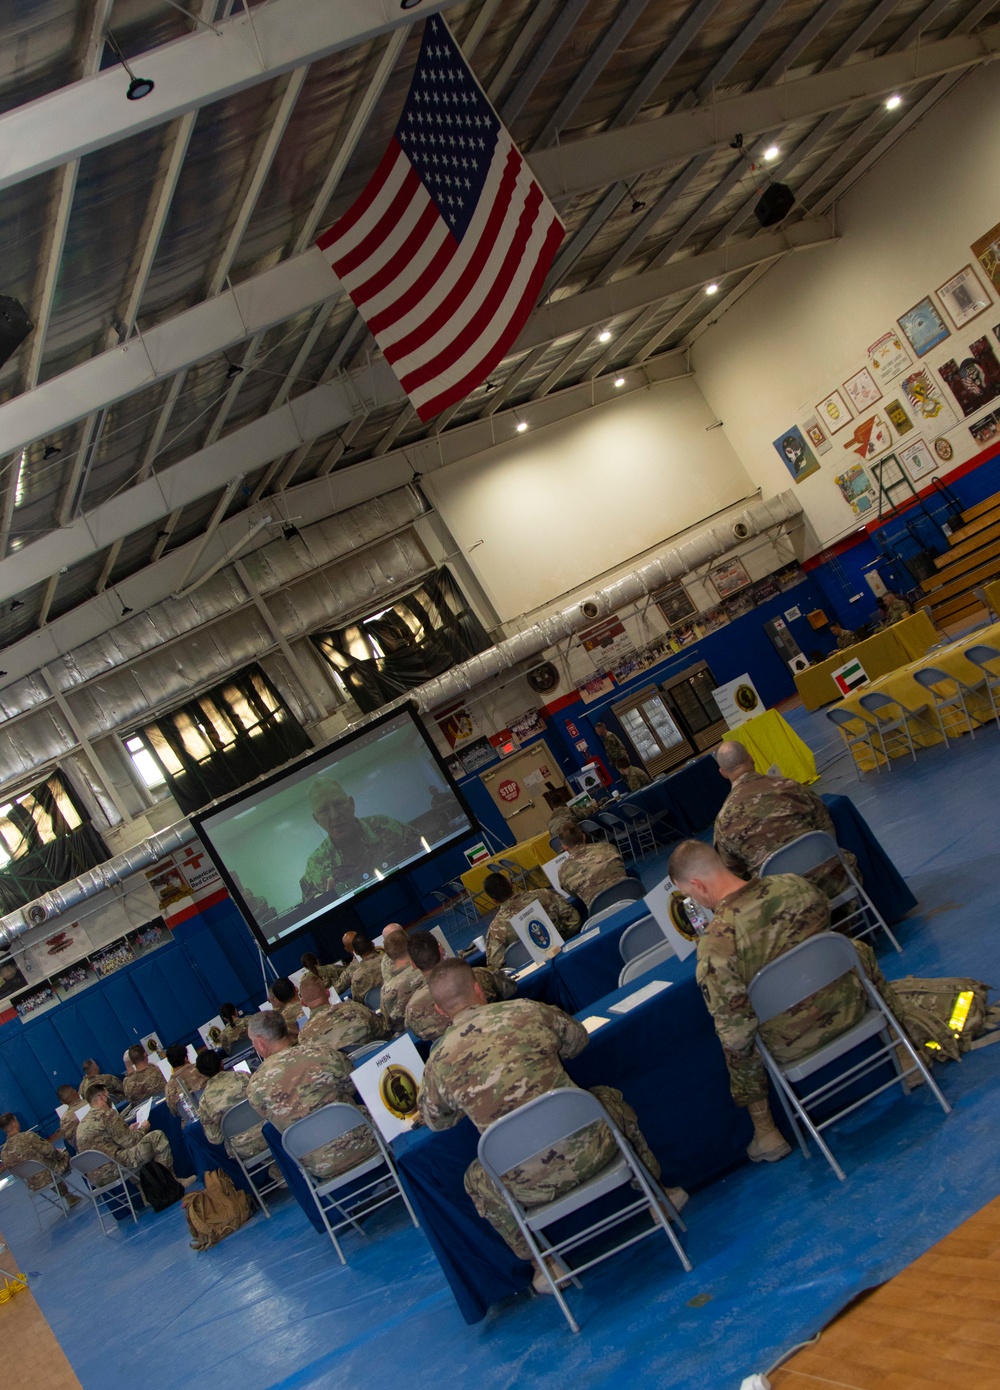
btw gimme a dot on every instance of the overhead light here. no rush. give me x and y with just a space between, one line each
521 426
16 603
234 369
126 610
604 336
50 451
619 381
712 288
892 102
138 87
771 153
3 673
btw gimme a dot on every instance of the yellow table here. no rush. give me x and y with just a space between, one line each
992 592
529 854
771 739
879 654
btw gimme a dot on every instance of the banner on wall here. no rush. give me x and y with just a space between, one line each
606 643
185 883
457 723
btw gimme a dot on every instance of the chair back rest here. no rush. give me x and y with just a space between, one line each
30 1168
640 937
640 965
981 654
845 719
590 827
874 702
612 822
362 1053
238 1119
626 890
373 998
323 1126
537 1126
931 676
516 956
88 1159
800 972
802 854
555 845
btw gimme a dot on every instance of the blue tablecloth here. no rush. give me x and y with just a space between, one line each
161 1118
664 1056
590 970
692 797
206 1156
883 882
297 1185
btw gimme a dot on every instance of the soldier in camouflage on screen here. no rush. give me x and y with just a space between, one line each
401 982
92 1075
493 1059
590 868
345 1024
423 1018
22 1146
501 934
762 814
292 1082
145 1081
364 971
130 1145
221 1091
635 778
355 847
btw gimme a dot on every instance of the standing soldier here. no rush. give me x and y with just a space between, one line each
614 750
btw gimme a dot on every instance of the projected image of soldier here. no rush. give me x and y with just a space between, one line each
355 846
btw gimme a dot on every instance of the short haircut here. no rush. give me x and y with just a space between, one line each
693 857
600 724
99 1090
7 1119
209 1063
177 1054
312 988
269 1025
572 836
451 984
88 1062
622 763
395 945
137 1053
424 949
731 756
66 1093
310 961
283 990
498 887
363 944
227 1012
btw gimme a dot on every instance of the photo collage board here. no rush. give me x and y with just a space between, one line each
56 967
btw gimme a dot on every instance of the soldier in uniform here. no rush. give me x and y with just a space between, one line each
423 1018
131 1145
292 1082
635 778
345 1024
221 1090
144 1080
327 973
386 963
590 868
614 750
91 1073
185 1074
493 1059
24 1145
844 638
363 972
404 980
285 999
762 814
354 847
236 1027
501 934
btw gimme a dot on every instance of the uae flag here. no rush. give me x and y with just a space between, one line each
446 250
849 677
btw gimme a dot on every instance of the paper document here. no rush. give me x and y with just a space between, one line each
584 936
529 970
244 1067
61 1110
82 1113
632 1001
594 1022
142 1113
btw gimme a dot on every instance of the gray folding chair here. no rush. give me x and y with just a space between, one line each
644 826
799 974
856 731
511 869
516 956
641 965
236 1121
626 890
890 728
593 830
48 1195
468 907
364 1051
983 655
542 1124
640 937
114 1196
811 850
618 832
937 684
373 998
383 1185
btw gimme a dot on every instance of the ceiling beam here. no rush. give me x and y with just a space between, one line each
203 67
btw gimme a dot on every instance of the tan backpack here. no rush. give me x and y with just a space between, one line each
217 1211
945 1016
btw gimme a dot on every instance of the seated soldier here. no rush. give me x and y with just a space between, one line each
73 1101
494 1059
423 1017
501 934
185 1074
292 1082
892 609
762 814
144 1080
845 638
91 1073
221 1090
386 961
590 868
404 980
635 778
362 973
285 999
23 1145
345 1024
130 1145
327 973
235 1031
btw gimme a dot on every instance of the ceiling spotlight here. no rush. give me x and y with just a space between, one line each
138 87
604 336
619 381
712 288
126 610
234 369
771 153
16 603
521 426
892 102
50 451
3 673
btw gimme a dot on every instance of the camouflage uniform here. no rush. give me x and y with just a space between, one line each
347 1024
492 1060
221 1093
396 993
329 974
291 1013
589 870
234 1033
614 748
68 1124
423 1019
845 640
111 1083
569 815
635 778
142 1085
189 1076
383 840
896 609
27 1145
762 814
294 1082
501 934
106 1131
360 976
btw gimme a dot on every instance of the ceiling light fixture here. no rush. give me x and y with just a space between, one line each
892 102
126 610
619 381
3 673
138 87
521 426
50 451
233 369
637 203
712 288
771 153
604 336
16 603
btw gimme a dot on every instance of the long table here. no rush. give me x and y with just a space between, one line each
528 855
692 796
879 654
772 742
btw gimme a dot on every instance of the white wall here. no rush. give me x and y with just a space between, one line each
798 334
560 505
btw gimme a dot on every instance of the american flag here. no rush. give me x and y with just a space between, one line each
446 250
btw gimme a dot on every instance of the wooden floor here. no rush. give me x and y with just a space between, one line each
936 1325
31 1355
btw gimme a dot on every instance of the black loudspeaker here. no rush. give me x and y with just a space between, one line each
14 326
775 203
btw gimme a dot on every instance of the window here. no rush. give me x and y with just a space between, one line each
144 763
46 839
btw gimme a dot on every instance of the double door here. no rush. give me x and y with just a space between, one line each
518 786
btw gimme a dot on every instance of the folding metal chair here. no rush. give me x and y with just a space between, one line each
468 907
640 937
846 722
323 1127
932 678
46 1195
644 825
626 890
811 850
237 1120
114 1196
540 1125
982 655
373 998
796 976
888 726
510 869
618 832
593 829
363 1051
516 956
641 965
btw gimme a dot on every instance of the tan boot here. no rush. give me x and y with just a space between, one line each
539 1282
906 1062
768 1144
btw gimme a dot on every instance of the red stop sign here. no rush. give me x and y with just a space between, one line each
508 791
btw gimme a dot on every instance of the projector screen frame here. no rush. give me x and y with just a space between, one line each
206 813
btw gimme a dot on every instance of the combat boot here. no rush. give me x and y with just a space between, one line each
768 1144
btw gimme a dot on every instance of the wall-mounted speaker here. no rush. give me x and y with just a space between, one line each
14 326
774 204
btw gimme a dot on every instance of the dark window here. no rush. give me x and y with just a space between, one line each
46 839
